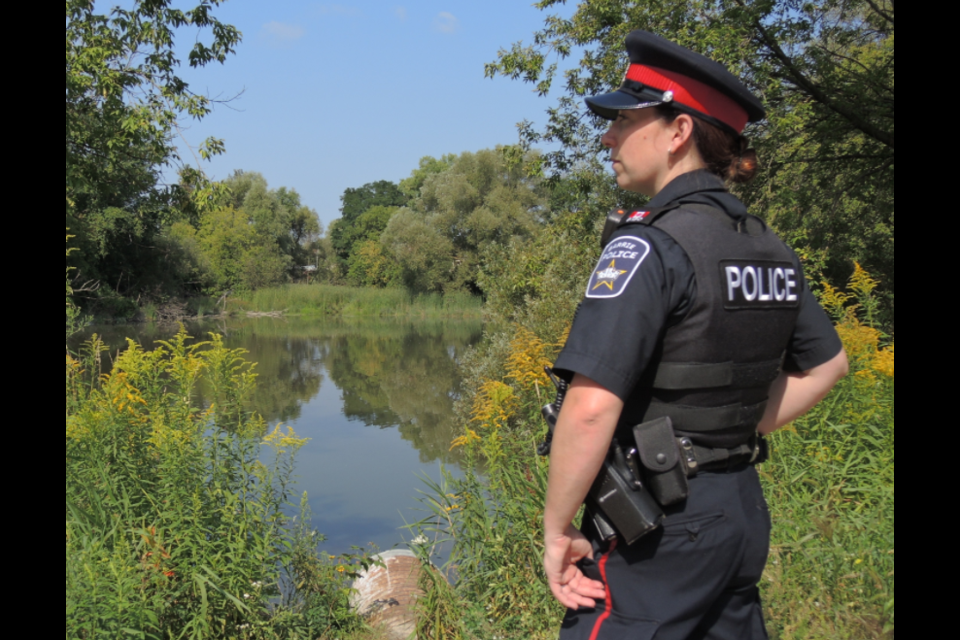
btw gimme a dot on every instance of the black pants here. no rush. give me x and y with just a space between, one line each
695 579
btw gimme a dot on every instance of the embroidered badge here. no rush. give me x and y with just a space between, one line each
638 216
619 263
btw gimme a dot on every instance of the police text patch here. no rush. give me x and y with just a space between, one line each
620 261
760 285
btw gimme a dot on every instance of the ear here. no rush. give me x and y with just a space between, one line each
683 129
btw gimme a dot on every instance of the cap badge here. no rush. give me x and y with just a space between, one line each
668 96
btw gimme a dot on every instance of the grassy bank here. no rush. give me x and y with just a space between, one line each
356 302
179 516
830 486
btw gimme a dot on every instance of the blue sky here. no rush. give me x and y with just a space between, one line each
339 95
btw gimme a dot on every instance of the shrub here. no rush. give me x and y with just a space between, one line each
178 518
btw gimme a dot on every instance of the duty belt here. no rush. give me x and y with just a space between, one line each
702 459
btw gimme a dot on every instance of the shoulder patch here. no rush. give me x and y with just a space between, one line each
618 264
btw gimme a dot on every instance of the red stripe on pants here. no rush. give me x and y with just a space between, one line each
609 611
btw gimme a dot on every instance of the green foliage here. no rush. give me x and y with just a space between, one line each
428 167
278 217
825 69
177 520
481 201
357 202
124 105
421 252
257 238
368 264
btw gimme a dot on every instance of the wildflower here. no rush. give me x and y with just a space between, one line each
341 569
466 440
420 540
285 441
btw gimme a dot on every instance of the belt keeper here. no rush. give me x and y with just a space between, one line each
690 464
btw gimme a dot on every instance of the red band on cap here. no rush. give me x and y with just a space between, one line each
692 93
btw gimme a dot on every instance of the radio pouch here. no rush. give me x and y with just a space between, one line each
660 456
625 503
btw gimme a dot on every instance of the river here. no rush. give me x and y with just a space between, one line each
374 397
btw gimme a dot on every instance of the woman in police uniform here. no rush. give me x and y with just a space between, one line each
699 313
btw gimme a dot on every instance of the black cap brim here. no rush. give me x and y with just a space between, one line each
609 105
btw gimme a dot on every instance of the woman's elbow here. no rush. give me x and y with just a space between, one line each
840 366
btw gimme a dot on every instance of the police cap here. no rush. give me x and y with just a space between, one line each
663 72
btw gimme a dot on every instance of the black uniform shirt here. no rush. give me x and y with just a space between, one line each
622 319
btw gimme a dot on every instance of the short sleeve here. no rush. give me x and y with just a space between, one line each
643 283
815 340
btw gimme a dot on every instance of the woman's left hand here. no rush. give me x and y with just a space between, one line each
567 582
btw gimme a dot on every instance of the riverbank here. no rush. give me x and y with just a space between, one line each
354 302
296 300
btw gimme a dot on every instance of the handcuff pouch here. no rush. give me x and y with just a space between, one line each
660 457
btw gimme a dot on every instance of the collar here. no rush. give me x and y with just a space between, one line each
688 184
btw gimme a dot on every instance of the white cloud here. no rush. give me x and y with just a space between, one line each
340 10
446 23
278 34
401 13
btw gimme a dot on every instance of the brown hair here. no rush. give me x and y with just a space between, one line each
725 153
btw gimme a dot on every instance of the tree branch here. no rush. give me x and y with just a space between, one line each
798 78
833 159
881 12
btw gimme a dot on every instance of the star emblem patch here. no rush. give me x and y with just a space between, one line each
608 276
619 263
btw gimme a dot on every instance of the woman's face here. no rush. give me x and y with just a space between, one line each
640 145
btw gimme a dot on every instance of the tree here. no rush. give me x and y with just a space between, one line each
259 239
278 217
825 68
368 265
479 202
356 202
124 105
422 253
428 166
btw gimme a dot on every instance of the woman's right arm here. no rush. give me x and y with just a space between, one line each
795 394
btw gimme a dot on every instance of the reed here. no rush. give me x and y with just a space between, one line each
357 302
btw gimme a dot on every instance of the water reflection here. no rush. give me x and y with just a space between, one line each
376 399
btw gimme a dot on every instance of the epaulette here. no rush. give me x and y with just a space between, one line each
620 218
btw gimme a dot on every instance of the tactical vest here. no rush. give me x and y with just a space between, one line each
714 370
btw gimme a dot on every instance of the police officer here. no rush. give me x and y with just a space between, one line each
699 313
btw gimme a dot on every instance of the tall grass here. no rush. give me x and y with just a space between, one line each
351 302
179 517
830 485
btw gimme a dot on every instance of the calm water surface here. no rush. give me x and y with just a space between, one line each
375 399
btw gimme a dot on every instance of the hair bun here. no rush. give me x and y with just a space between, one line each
745 169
